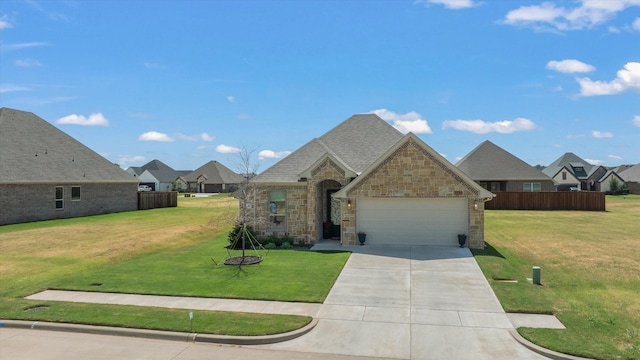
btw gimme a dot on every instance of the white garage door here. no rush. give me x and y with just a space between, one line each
412 221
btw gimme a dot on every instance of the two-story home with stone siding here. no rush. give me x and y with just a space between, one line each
364 176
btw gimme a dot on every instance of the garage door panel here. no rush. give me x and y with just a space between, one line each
412 221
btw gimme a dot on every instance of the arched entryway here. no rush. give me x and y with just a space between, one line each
328 213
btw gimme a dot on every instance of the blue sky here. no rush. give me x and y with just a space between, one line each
187 82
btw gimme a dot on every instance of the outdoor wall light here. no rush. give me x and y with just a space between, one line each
349 204
475 205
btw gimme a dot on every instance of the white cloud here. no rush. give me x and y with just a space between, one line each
270 154
225 149
626 79
96 119
615 157
206 137
4 23
636 24
130 159
20 46
569 66
587 14
409 122
155 136
231 99
483 127
613 30
28 63
601 134
451 4
7 88
636 120
594 162
199 137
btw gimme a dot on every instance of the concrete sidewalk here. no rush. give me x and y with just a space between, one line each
181 302
395 302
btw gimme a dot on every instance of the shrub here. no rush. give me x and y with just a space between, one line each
270 246
235 233
616 188
273 239
286 245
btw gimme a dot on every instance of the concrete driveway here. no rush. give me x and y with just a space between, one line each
417 302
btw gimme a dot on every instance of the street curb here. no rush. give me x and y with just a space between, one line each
543 351
159 335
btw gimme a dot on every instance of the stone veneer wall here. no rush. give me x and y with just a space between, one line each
327 170
296 207
413 172
304 213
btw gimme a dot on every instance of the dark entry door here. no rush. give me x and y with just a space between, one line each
333 214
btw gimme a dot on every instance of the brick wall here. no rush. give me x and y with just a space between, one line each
34 202
517 186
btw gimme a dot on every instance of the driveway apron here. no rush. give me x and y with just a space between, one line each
411 302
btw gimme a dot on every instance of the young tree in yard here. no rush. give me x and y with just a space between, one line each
243 237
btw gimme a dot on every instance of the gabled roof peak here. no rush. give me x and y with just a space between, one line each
356 143
488 161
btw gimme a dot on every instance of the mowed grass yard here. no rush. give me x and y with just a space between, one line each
590 266
160 251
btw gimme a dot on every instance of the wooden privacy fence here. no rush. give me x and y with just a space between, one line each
152 199
560 200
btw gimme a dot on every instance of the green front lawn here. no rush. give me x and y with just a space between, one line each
160 251
590 266
284 275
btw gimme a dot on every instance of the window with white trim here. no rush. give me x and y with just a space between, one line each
531 187
277 210
59 198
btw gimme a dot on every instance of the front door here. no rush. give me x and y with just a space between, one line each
334 214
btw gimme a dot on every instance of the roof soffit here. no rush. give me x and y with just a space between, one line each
328 160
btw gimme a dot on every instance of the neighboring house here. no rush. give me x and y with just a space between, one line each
46 174
570 171
365 176
158 175
212 177
631 177
496 170
609 177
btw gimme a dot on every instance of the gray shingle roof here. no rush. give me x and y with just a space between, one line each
357 142
216 173
570 161
490 162
161 171
60 158
631 174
